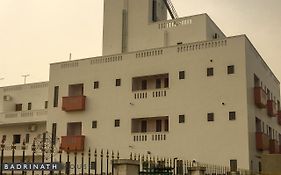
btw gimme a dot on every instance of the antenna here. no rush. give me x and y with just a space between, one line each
70 56
24 78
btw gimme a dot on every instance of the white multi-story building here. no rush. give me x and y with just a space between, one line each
176 88
23 116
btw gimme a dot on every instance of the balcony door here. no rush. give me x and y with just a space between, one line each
74 129
143 126
76 90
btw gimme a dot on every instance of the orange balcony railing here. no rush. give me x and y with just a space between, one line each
260 97
271 108
262 141
73 103
273 147
279 118
72 143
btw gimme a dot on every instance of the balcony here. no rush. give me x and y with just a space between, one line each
260 97
271 108
262 141
73 103
23 117
279 117
72 143
151 136
273 147
145 94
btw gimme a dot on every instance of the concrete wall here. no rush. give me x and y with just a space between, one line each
256 65
20 122
139 31
194 97
35 93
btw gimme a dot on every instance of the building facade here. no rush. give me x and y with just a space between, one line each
177 88
23 116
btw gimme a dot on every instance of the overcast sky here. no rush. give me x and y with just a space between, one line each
34 33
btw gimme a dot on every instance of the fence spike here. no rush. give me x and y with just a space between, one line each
112 155
101 153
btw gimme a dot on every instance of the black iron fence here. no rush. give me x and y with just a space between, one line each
92 162
98 162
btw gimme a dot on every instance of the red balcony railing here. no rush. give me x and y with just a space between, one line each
73 103
262 141
72 143
260 97
279 117
273 147
271 108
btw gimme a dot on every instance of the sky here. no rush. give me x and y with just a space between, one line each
35 33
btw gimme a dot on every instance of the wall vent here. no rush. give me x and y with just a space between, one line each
7 98
32 128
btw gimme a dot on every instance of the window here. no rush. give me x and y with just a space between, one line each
29 105
18 107
233 165
158 83
26 138
154 11
166 82
181 118
210 117
181 75
96 85
54 133
143 84
230 69
94 124
260 165
259 127
16 138
117 123
56 96
46 105
210 71
118 82
158 125
232 115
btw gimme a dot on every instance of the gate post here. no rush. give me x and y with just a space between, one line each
125 167
196 170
